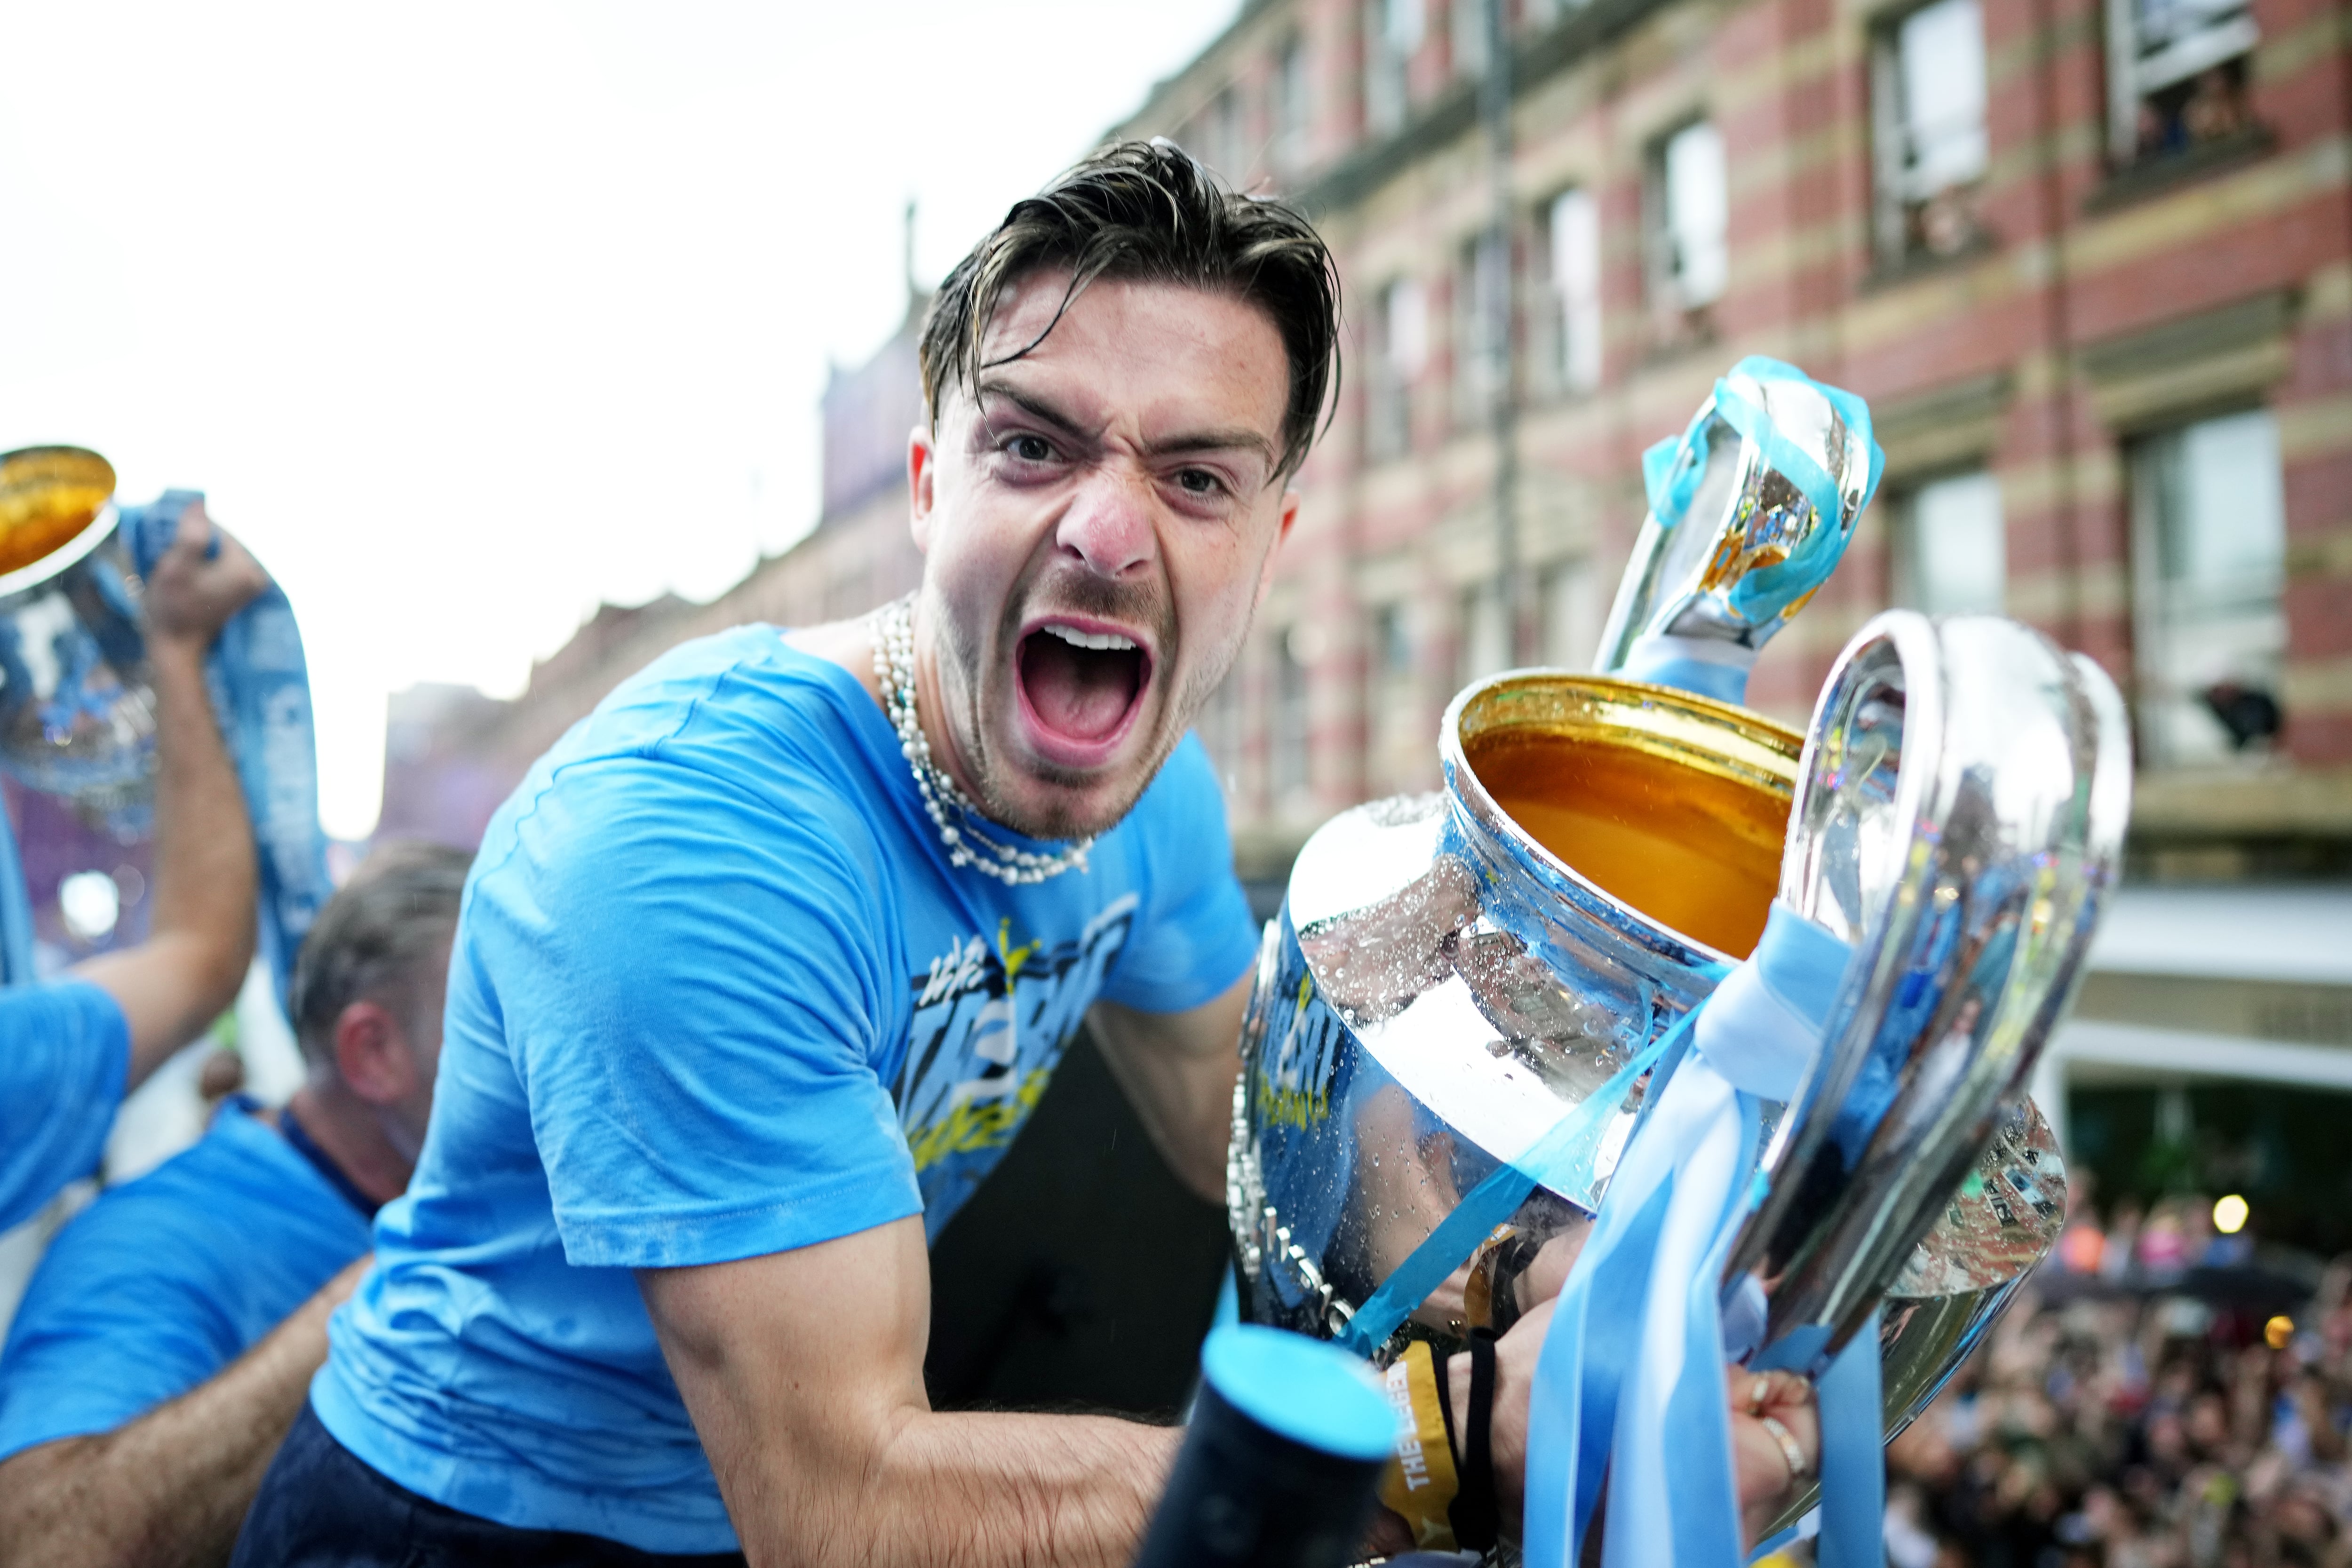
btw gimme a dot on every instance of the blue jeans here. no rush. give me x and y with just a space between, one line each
321 1507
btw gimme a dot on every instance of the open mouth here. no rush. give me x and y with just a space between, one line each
1081 685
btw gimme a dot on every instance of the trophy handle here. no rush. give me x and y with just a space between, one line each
1963 787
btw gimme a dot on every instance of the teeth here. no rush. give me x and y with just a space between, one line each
1099 641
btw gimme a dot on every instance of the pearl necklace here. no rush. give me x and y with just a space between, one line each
894 668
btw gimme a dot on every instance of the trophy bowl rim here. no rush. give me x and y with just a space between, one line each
90 536
1774 753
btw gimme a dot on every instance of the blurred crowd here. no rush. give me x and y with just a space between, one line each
2159 1399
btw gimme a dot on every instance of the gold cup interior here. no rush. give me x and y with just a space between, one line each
1674 806
48 496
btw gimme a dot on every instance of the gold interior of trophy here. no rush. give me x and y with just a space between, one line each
1675 806
48 496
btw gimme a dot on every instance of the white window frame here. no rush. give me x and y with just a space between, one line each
1290 724
1294 104
1900 180
1465 22
2167 739
1572 250
1909 553
1393 30
1399 353
1573 609
1482 632
2133 72
1688 269
1481 274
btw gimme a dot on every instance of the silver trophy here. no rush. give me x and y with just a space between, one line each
76 710
1451 974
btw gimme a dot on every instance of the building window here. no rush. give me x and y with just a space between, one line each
2209 546
1392 34
1219 727
2176 74
1480 327
1572 236
1466 22
1949 551
1294 107
1286 748
1390 656
1689 213
1572 610
1927 102
1400 334
1220 141
1482 634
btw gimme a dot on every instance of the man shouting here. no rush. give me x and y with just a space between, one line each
761 969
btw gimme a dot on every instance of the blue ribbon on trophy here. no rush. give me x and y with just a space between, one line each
1750 510
260 686
1630 1381
15 912
74 714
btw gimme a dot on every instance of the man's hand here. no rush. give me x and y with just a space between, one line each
190 596
1177 1069
201 934
1769 1480
804 1372
1766 1484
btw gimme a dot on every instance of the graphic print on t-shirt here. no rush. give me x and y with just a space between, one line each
991 1016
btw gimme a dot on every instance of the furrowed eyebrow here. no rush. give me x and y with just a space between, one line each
1243 439
1036 407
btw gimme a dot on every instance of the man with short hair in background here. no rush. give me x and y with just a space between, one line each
168 1337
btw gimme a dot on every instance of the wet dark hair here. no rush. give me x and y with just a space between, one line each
375 938
1148 211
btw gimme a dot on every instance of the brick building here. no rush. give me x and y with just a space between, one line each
2089 264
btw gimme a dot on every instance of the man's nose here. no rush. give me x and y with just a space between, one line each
1109 524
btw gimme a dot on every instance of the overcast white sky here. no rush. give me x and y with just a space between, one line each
467 317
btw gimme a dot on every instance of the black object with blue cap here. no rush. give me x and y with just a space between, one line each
1281 1461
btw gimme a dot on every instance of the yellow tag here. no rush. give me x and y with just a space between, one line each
1420 1483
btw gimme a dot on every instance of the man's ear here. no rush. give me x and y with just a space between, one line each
1281 533
372 1053
922 468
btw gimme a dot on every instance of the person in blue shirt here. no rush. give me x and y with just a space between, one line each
168 1338
763 967
71 1048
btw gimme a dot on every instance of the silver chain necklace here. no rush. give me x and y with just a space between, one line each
894 668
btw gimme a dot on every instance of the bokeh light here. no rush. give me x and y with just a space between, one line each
90 903
2229 1215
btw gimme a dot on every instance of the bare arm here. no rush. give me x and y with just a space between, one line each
1177 1069
804 1372
201 940
169 1490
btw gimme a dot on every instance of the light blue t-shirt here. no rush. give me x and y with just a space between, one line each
716 992
65 1051
166 1279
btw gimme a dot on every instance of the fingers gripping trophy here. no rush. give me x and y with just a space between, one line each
1703 1039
